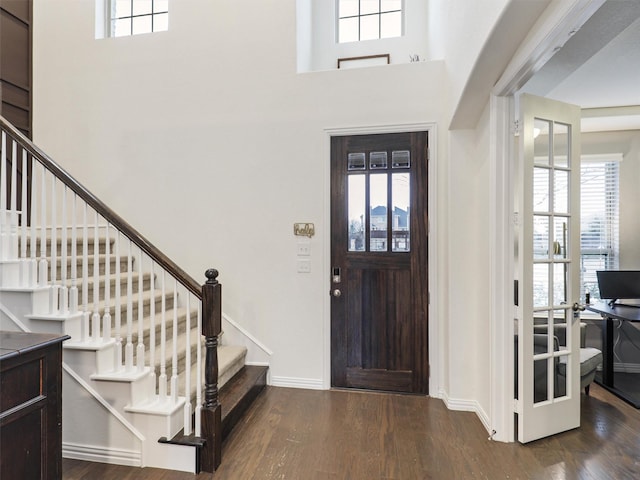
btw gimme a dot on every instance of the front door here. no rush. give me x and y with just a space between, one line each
379 262
549 259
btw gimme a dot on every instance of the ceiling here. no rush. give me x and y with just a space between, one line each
599 68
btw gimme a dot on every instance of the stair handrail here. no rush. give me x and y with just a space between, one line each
112 217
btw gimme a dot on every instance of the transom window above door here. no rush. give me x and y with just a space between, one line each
360 20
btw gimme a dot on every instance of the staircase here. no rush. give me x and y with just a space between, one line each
148 379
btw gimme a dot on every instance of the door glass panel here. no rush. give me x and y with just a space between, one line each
400 198
559 283
540 285
561 191
541 190
377 160
540 236
560 233
561 145
356 161
560 389
540 382
541 146
540 333
356 202
400 159
378 212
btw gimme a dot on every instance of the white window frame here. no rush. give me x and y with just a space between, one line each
109 18
360 16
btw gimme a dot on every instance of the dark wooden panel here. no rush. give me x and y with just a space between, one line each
15 96
387 380
19 385
18 8
15 63
22 459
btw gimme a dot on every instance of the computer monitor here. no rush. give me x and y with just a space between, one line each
619 284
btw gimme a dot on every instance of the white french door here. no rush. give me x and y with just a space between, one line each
548 251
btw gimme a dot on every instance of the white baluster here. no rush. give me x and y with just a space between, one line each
73 291
63 301
3 176
24 270
118 308
43 266
33 270
187 369
53 305
106 319
140 350
152 327
174 358
85 275
95 318
4 246
162 381
129 348
198 412
13 238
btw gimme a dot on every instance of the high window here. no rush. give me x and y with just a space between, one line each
132 17
599 229
369 19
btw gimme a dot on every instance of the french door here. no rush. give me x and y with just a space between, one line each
548 251
379 245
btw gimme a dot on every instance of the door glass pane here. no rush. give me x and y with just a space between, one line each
561 191
400 159
541 285
377 160
541 236
559 283
378 212
560 383
541 145
356 161
400 198
356 202
560 233
540 382
561 145
541 190
540 333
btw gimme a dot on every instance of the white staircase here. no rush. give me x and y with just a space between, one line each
134 363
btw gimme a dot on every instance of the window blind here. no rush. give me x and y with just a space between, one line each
599 221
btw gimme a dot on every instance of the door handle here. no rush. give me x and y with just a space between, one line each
336 292
577 307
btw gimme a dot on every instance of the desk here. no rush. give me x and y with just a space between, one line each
624 313
30 405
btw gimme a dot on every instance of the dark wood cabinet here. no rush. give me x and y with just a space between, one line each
30 405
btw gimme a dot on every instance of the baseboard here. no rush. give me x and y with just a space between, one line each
293 382
460 405
101 454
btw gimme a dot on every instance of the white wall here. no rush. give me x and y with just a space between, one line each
208 141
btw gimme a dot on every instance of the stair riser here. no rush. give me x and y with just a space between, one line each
112 290
146 307
182 320
90 263
79 246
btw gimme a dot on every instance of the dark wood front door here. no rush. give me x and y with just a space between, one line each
379 261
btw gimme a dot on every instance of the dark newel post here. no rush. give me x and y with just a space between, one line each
211 411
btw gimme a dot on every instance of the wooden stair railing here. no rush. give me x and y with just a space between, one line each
19 190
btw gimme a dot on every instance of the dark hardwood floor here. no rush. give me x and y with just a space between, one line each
312 435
